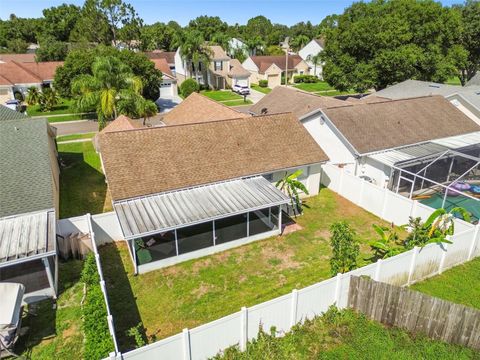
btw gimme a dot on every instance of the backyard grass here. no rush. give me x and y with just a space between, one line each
237 102
202 290
75 137
264 90
64 107
347 335
221 95
82 183
56 333
314 87
460 284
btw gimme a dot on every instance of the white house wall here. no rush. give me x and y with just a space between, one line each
311 49
179 68
378 172
310 178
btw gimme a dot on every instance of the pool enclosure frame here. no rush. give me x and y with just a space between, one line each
28 238
231 213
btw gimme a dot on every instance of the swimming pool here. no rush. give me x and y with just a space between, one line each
471 205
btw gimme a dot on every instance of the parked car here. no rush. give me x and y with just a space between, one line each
241 90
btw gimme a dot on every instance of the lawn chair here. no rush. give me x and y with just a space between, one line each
11 296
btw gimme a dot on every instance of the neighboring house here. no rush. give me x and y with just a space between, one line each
198 108
169 56
271 68
369 139
29 196
236 44
17 57
204 187
466 99
133 45
310 50
168 86
121 123
222 72
18 77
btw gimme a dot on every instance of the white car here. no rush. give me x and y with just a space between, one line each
241 90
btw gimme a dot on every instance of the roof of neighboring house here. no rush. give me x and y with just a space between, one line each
286 99
167 55
121 123
264 62
320 41
26 168
8 114
162 65
414 88
177 157
237 70
198 108
474 81
17 57
391 124
13 72
218 53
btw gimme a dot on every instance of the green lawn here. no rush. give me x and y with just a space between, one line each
453 81
237 102
347 335
201 290
56 333
221 95
314 87
75 137
73 117
460 284
82 184
264 90
64 107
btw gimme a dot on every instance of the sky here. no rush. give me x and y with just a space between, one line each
286 12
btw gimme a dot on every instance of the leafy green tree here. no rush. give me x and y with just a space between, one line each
258 26
274 50
254 44
33 96
18 46
48 99
111 82
345 248
59 21
239 54
208 26
378 43
92 26
300 41
189 86
51 49
158 36
194 52
292 187
222 40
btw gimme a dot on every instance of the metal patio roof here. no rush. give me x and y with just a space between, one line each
156 213
27 235
395 156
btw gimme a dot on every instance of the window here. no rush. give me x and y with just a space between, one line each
218 65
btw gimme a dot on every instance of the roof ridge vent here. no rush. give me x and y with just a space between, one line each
434 86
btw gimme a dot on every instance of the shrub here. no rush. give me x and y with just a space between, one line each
345 248
189 86
98 342
305 79
263 83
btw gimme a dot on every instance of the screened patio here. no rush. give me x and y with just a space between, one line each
167 228
28 253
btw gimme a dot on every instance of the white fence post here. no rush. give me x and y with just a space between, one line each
337 288
243 328
474 242
293 313
187 354
377 270
412 264
442 259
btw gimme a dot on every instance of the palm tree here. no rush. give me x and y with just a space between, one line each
291 185
194 52
33 95
315 60
253 44
112 82
222 40
145 109
48 99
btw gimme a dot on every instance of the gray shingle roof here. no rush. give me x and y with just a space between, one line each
9 114
474 81
25 166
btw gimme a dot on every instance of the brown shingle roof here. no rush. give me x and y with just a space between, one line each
218 53
44 70
28 72
198 108
154 160
386 125
285 99
167 55
264 62
17 57
121 123
162 65
237 70
321 42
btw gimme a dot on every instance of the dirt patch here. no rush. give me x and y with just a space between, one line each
71 331
323 233
347 208
282 258
201 264
202 290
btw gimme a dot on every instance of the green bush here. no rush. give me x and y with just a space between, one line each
263 83
98 342
345 248
305 79
189 86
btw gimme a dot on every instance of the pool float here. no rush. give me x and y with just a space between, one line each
475 189
459 187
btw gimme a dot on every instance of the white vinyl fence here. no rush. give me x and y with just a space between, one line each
285 311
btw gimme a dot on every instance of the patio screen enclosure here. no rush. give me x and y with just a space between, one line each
167 228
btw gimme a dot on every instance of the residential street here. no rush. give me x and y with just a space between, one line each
75 127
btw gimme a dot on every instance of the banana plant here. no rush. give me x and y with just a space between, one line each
441 223
385 246
291 186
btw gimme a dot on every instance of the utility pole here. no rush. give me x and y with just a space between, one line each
285 46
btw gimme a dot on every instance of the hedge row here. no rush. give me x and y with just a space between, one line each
305 79
98 342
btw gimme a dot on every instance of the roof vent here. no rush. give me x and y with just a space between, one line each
434 86
264 111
